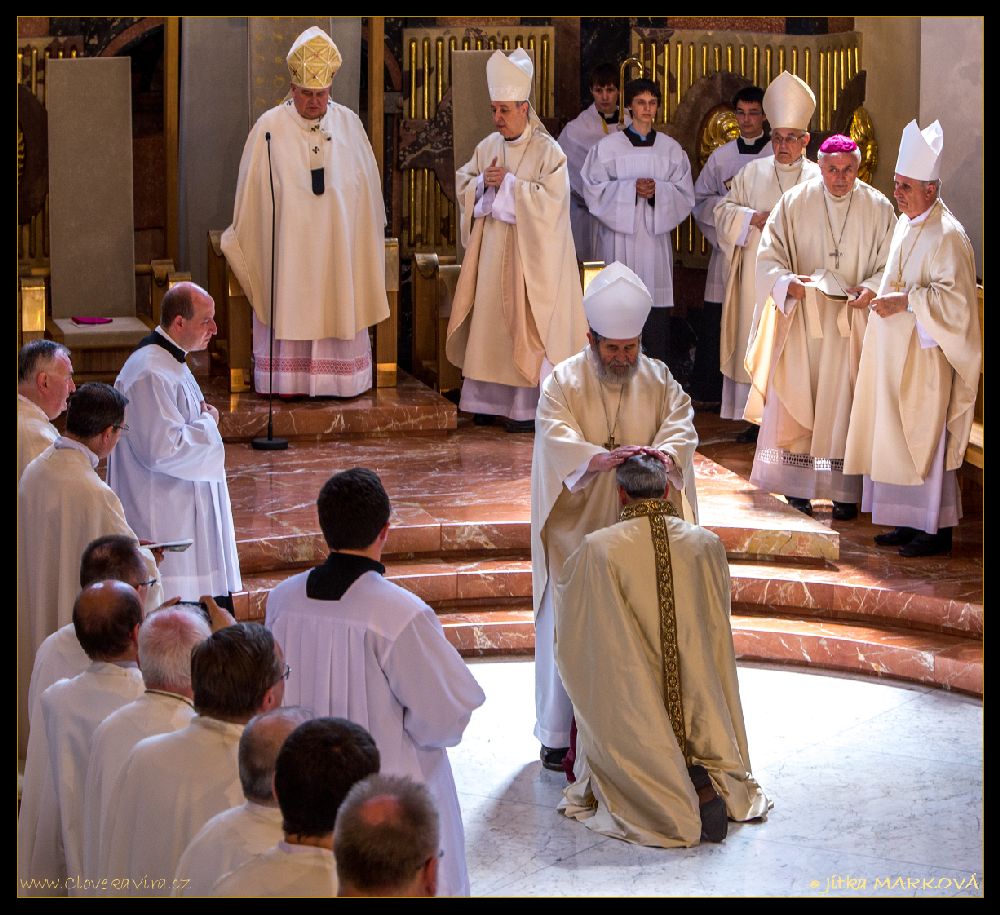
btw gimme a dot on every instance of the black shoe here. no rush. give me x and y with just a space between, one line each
749 435
552 757
802 505
898 536
519 425
482 419
714 819
845 511
928 544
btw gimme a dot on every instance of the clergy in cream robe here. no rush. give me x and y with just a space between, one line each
171 785
711 188
576 140
223 844
803 432
284 870
364 649
641 600
169 471
59 657
517 304
329 282
918 378
755 188
50 824
154 712
34 433
630 230
577 415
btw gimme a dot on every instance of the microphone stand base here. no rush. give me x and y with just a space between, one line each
270 444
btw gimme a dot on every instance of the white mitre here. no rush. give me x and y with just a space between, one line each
509 78
920 152
313 60
789 103
617 303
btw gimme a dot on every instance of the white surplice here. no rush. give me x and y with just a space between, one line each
171 786
169 471
223 844
152 713
631 230
34 433
56 768
379 657
59 657
585 130
285 870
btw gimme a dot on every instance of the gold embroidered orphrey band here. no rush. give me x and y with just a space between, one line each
655 509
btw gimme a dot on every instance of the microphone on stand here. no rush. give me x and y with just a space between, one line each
270 443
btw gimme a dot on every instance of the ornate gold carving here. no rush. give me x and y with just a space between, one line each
655 509
720 128
862 131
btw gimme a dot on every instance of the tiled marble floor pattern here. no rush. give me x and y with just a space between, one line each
871 781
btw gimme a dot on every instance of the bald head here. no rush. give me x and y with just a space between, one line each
187 314
106 617
165 642
259 747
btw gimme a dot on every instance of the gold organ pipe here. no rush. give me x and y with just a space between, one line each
426 56
857 59
689 224
411 196
680 63
652 61
831 86
743 60
412 49
439 69
807 63
717 57
755 65
767 65
465 44
704 60
479 44
821 95
546 55
729 58
519 41
20 67
781 58
690 65
428 221
666 82
34 71
505 43
795 61
843 67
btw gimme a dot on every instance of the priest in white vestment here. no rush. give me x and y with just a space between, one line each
62 506
577 138
789 104
638 187
819 265
713 184
170 472
362 648
318 765
236 835
606 403
44 383
172 784
661 752
516 310
50 825
920 365
329 235
165 642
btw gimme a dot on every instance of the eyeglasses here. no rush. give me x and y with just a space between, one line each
147 584
287 673
784 141
120 427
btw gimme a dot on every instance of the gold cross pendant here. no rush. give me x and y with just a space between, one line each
611 444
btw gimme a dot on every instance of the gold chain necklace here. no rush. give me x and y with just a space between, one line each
903 261
836 252
777 176
610 444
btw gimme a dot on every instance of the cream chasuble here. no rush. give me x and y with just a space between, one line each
305 871
645 649
34 433
841 242
518 299
757 186
909 389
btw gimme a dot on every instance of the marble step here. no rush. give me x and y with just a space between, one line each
935 659
775 590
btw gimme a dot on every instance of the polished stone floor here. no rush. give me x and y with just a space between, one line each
877 790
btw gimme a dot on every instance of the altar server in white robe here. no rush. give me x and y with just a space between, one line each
606 403
170 472
44 383
588 128
920 366
63 505
516 310
661 754
318 765
365 649
714 181
50 825
329 234
819 265
740 216
236 835
173 784
638 186
165 642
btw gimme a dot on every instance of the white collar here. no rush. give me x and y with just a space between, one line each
63 443
167 336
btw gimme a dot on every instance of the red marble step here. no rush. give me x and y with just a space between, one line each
411 406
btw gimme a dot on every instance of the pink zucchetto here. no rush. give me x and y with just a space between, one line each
838 143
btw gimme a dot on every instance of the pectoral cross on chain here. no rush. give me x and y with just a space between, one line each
897 285
836 254
611 444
